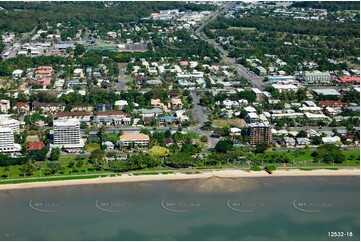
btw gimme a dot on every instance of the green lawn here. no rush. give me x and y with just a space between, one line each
103 44
112 138
304 157
92 146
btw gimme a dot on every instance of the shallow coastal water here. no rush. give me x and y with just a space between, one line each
282 208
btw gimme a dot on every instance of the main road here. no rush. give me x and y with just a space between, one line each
253 79
21 40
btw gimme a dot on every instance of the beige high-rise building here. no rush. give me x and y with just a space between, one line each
260 133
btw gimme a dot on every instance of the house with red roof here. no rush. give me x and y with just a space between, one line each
43 71
184 64
22 107
349 80
45 82
331 103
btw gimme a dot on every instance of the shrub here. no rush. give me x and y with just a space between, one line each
256 168
271 168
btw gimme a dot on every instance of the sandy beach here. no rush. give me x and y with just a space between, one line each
182 176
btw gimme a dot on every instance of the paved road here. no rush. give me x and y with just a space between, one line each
200 118
317 128
253 79
197 110
121 84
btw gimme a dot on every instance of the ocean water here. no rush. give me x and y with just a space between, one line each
282 208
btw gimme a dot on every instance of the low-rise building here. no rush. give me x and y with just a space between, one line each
112 117
48 107
109 145
290 142
104 107
121 104
4 105
43 71
331 140
252 118
17 73
176 103
327 92
131 138
331 103
83 117
147 113
22 107
82 108
285 87
303 141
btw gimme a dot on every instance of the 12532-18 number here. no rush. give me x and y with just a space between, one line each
340 234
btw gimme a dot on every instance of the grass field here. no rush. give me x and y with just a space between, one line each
304 157
99 43
242 28
240 123
92 146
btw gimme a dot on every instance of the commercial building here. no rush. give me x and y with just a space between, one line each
277 79
67 134
260 133
349 80
327 92
316 77
285 87
137 139
7 144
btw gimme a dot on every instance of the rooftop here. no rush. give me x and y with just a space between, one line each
327 91
133 136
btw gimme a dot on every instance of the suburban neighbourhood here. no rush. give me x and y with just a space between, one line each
200 85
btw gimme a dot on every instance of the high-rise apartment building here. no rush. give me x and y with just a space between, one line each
67 134
7 141
260 133
7 122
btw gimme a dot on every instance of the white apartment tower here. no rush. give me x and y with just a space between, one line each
7 141
67 134
7 122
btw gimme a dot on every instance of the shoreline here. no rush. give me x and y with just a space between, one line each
181 176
